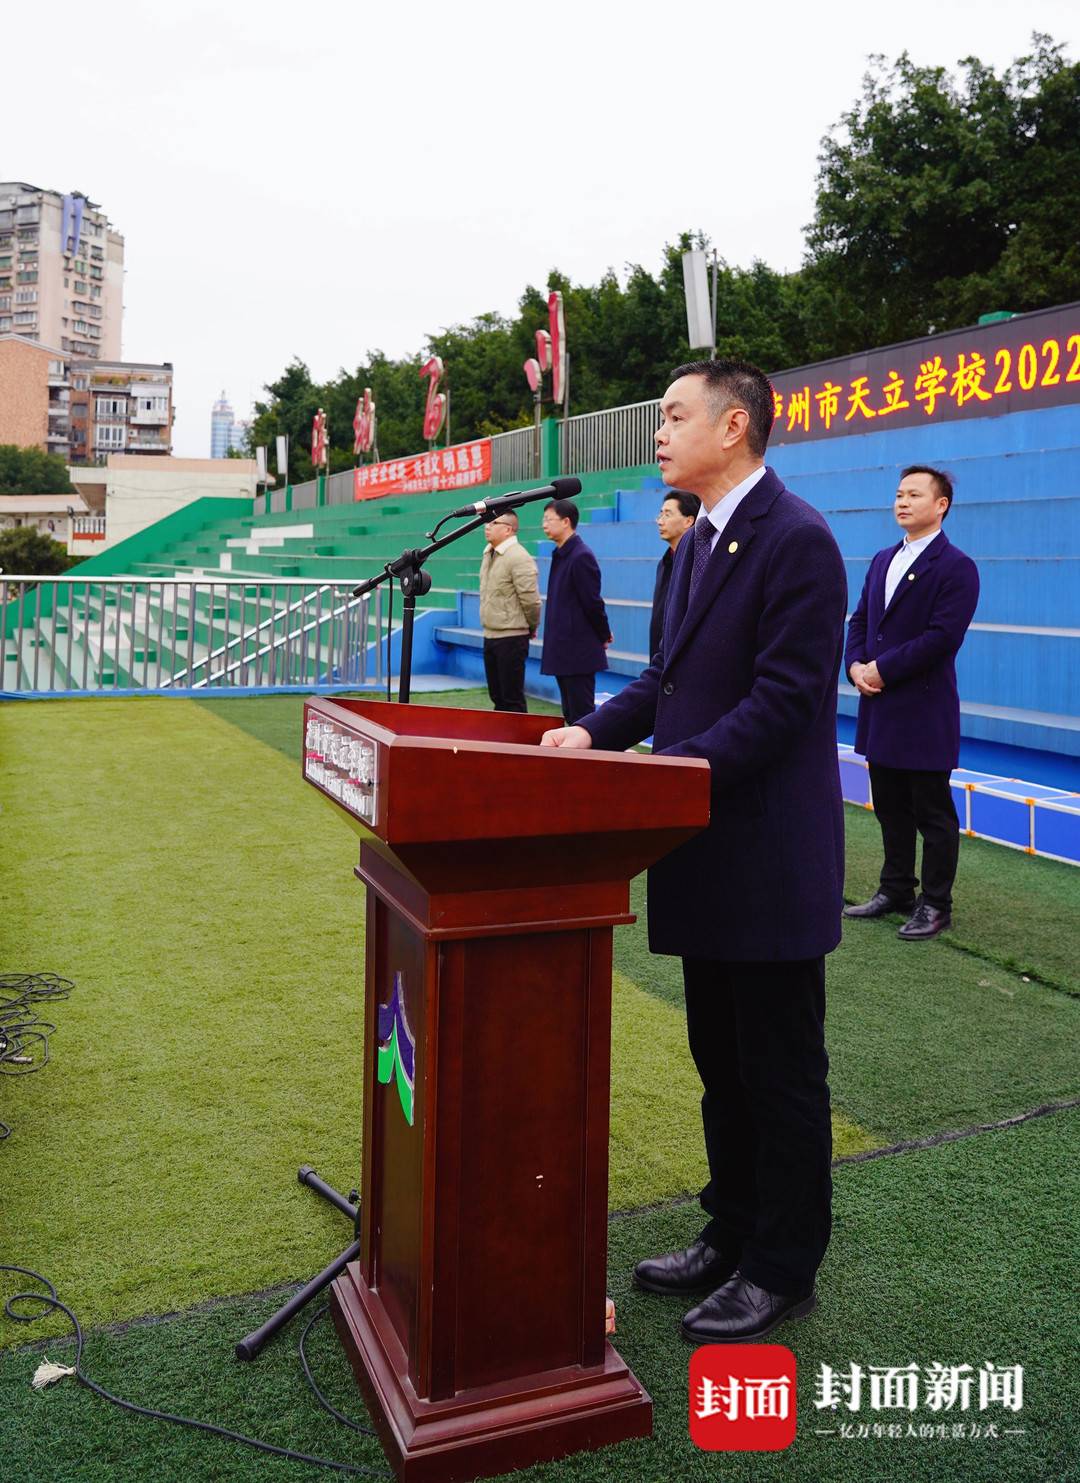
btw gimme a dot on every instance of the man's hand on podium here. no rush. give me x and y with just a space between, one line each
571 737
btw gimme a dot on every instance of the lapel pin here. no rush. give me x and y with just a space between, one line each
733 548
911 576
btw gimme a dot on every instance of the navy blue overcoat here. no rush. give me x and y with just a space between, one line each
746 678
915 721
575 619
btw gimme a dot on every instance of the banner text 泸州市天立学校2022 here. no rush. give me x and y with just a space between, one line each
1015 365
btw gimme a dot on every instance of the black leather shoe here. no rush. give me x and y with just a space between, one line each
925 921
697 1269
740 1312
879 905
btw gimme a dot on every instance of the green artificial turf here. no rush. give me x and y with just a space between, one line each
201 897
957 1254
921 1036
1010 908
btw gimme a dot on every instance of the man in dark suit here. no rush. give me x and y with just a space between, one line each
576 630
917 602
676 517
746 678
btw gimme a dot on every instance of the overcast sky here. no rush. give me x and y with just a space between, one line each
323 180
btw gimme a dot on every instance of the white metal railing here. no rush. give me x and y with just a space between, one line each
593 442
513 456
618 438
77 634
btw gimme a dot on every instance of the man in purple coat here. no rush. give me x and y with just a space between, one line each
917 602
746 678
576 631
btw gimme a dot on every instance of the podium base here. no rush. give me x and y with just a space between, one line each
488 1429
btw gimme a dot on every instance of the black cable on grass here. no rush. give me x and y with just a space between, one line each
50 1302
24 1038
365 1431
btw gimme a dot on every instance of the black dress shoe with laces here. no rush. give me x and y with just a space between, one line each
740 1312
879 905
697 1269
926 921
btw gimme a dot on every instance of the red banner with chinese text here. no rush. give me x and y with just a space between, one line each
459 467
1029 361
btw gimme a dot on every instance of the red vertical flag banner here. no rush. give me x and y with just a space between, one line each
558 346
435 407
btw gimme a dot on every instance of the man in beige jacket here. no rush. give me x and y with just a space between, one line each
509 611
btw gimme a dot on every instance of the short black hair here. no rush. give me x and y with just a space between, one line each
565 509
688 503
943 483
736 383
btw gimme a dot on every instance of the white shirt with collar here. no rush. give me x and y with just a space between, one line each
909 552
723 510
511 540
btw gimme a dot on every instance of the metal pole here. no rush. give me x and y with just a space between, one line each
86 632
405 673
715 299
116 641
146 640
52 646
37 634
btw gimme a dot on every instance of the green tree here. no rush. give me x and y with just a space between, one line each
941 198
26 552
32 471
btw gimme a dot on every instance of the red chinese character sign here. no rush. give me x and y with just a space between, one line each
1027 362
551 355
319 439
459 467
364 423
558 347
435 406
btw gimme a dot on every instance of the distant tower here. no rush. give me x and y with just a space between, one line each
221 427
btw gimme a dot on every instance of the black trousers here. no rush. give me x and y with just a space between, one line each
757 1036
504 666
578 696
906 801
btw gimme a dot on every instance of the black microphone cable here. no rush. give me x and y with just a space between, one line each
50 1302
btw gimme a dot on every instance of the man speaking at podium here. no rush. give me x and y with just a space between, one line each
746 678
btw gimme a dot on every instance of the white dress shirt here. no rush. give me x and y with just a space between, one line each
909 552
723 510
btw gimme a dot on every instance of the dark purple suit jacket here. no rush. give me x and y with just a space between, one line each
915 721
746 678
575 619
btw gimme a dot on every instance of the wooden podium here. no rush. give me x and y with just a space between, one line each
495 870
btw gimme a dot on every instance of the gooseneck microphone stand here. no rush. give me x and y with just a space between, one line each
408 570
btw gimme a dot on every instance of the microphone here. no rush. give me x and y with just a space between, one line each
557 489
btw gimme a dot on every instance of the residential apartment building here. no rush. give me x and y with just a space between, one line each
61 272
82 409
120 407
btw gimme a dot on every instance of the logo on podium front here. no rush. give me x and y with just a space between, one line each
397 1048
